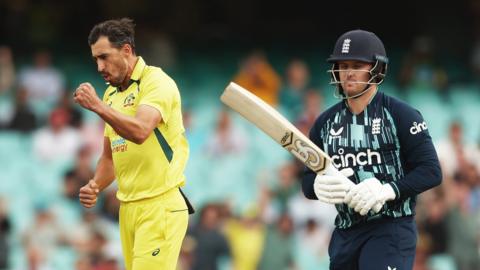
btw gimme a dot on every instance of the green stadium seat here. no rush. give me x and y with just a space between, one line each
18 257
461 94
441 262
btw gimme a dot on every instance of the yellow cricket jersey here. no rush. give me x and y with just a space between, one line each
156 166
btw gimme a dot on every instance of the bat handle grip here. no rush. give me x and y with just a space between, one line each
331 170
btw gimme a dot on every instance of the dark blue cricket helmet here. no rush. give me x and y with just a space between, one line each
363 46
359 45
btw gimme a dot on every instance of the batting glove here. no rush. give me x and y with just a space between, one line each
333 189
367 194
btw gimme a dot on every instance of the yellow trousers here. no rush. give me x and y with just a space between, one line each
152 231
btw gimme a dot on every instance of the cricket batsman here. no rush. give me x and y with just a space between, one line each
385 145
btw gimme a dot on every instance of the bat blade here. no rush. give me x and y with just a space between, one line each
276 126
281 130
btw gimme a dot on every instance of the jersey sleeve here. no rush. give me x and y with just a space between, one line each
159 94
421 165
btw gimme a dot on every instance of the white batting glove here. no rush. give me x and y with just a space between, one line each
367 194
333 189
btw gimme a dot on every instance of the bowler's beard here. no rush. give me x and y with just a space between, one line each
117 82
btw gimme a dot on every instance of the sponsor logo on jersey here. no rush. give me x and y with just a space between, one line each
119 145
418 127
342 160
346 45
376 122
391 268
336 134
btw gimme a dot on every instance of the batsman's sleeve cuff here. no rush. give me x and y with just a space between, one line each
395 189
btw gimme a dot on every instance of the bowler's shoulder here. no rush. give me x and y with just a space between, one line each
156 75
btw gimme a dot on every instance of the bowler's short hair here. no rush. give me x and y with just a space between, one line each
119 32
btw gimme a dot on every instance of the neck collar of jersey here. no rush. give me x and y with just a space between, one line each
372 98
138 70
136 74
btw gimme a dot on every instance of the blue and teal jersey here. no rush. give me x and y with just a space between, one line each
389 140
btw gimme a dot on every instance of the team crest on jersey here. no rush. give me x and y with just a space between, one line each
376 123
129 100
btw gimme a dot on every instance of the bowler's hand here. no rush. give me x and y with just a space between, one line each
86 96
88 194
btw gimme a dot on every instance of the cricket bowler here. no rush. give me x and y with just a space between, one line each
145 148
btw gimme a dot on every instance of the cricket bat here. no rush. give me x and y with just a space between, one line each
278 128
281 130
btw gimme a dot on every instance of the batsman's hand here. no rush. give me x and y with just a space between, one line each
333 188
88 194
370 194
86 96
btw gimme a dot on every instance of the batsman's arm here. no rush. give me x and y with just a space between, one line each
418 152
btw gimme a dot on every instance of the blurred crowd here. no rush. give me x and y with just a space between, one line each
277 229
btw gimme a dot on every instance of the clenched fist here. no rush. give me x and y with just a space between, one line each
86 96
88 194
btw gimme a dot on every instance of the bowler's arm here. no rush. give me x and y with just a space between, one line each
133 128
104 173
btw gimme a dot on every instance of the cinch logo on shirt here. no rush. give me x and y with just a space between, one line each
360 158
417 128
